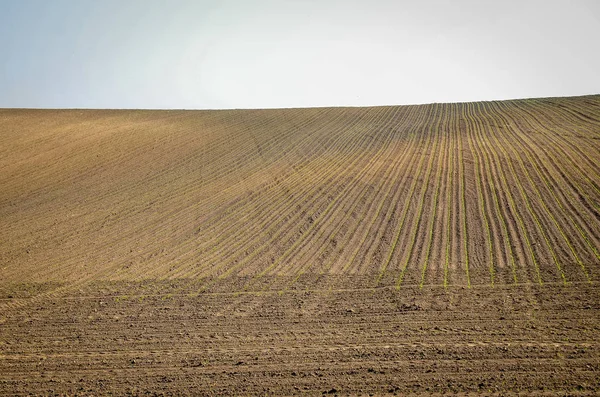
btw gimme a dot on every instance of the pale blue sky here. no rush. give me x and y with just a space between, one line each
278 53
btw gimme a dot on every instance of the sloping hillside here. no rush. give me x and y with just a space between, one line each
443 247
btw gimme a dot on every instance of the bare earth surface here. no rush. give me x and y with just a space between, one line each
432 249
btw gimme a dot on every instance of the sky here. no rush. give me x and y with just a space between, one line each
165 54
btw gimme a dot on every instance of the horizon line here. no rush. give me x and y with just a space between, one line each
307 107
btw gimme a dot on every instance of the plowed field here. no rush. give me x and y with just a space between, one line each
427 248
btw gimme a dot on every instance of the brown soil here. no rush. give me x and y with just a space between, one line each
448 248
119 339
